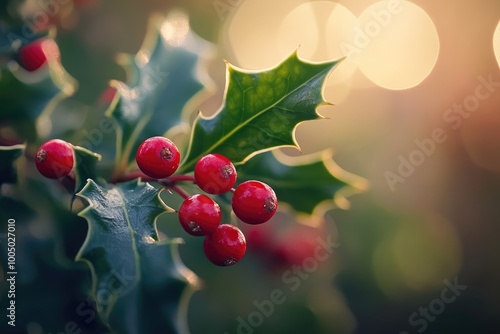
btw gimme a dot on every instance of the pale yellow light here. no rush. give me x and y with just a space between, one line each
319 27
251 33
396 43
299 28
339 33
496 43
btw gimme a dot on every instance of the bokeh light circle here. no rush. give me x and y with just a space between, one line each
340 33
496 43
299 28
397 44
252 33
318 27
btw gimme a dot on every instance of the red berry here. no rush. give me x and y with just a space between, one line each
34 55
158 157
226 246
254 202
199 215
54 159
215 174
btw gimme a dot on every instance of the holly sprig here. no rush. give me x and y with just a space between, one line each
259 114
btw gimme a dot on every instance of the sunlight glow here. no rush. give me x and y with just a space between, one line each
339 33
251 34
305 34
394 43
397 45
496 43
323 27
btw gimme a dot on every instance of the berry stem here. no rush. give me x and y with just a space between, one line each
178 190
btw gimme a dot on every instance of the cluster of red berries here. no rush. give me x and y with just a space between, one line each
253 202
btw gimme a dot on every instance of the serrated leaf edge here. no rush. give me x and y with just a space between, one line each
230 67
89 207
355 184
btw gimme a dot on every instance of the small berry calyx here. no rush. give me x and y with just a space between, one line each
55 159
199 215
226 246
215 174
254 202
158 157
34 55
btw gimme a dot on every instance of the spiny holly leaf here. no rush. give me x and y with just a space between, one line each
139 281
303 185
85 167
260 111
25 95
163 79
8 155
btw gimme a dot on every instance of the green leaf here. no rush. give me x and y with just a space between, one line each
163 78
85 167
8 156
260 111
26 95
304 185
140 284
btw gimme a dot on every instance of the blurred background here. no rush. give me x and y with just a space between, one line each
417 114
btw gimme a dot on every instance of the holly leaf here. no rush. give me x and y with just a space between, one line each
26 95
85 167
260 111
140 284
8 156
304 185
163 77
